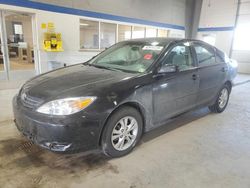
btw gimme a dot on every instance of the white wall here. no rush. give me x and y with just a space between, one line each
165 11
223 13
68 26
223 39
219 14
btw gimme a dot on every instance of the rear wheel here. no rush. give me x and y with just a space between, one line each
122 132
222 100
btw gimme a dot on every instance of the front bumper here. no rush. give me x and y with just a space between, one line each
77 132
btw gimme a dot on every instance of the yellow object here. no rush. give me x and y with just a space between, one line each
43 25
52 42
47 44
59 45
51 25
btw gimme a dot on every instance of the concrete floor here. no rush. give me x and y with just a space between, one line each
16 64
198 149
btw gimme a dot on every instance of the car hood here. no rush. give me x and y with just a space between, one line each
86 78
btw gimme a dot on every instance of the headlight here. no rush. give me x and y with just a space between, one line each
66 106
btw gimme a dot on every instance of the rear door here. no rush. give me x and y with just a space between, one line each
212 72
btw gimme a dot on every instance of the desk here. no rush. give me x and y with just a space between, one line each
22 51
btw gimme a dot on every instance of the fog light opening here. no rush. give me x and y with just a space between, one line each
57 146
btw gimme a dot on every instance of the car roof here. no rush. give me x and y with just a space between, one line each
166 41
162 40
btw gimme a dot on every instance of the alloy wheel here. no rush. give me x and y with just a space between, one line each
223 98
124 133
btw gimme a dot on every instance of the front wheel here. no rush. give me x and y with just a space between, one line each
122 132
222 100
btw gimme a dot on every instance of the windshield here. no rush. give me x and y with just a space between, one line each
129 56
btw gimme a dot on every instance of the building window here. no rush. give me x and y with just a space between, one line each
18 28
151 32
89 34
107 34
96 35
138 32
162 33
242 37
124 32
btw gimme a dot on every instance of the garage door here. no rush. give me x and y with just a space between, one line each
241 47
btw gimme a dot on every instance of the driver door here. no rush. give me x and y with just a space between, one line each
175 93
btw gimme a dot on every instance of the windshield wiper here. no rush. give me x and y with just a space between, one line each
110 68
103 67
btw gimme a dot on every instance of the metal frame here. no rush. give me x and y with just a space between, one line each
235 25
4 45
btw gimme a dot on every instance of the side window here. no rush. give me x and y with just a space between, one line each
180 56
220 57
205 56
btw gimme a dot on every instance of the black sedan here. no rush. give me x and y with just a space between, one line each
130 88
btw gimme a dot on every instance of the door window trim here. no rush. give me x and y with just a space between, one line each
204 46
7 72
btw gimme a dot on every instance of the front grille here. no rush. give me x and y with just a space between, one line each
30 102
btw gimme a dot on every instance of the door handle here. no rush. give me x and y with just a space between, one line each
195 76
224 69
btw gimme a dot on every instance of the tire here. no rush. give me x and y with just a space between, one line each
219 106
117 140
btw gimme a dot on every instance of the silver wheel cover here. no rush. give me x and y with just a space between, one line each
223 98
124 133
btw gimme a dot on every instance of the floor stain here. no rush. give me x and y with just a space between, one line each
26 155
12 146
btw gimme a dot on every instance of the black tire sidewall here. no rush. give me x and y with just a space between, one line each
107 146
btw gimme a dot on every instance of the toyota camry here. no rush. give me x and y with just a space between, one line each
130 88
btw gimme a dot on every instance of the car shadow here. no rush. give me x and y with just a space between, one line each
175 123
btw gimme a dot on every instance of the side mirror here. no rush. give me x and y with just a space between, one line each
166 68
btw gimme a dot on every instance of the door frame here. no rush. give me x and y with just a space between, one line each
4 46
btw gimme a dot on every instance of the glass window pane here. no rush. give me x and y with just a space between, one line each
162 33
89 38
108 34
138 32
205 56
131 56
20 41
124 32
151 32
18 29
220 56
181 57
